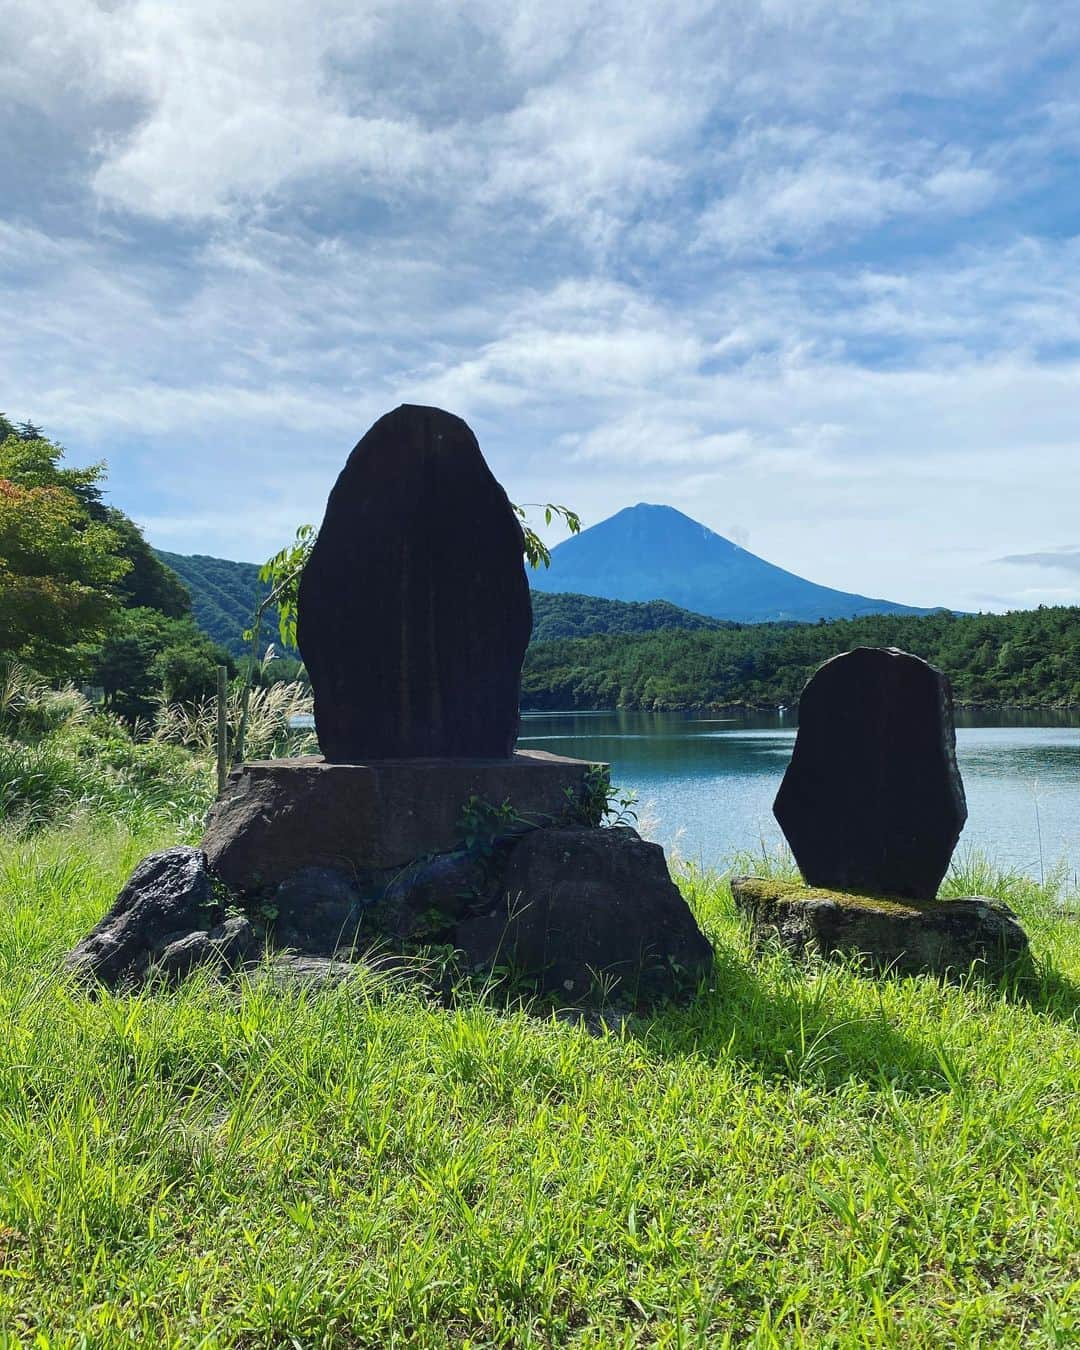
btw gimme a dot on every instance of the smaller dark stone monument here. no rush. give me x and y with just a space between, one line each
872 800
420 824
872 805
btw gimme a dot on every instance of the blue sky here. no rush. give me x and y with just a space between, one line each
806 271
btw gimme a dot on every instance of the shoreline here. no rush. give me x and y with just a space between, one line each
792 708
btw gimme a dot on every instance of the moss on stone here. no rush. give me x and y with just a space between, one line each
755 889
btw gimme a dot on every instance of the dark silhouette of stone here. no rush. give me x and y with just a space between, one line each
587 913
167 897
414 619
905 937
277 817
414 606
872 800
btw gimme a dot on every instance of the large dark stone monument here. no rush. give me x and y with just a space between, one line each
420 825
872 799
414 606
872 804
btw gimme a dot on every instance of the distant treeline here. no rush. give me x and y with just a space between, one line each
569 616
1027 658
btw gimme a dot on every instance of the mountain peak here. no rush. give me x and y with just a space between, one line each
656 552
661 512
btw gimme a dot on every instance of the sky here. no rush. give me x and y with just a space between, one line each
808 272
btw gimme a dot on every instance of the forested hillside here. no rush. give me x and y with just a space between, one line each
223 597
569 616
1031 657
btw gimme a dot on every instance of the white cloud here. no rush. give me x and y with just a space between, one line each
589 113
798 189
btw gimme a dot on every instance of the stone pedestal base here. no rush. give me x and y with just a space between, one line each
907 937
309 866
278 817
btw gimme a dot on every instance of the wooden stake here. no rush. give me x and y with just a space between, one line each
222 729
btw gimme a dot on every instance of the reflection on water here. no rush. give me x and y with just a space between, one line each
714 778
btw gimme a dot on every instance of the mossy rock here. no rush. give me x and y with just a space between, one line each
884 934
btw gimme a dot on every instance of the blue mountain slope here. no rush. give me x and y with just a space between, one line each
656 553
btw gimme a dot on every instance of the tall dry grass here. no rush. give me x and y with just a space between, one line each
194 726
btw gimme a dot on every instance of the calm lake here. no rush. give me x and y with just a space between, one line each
708 782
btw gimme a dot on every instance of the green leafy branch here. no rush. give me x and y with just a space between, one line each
282 573
537 553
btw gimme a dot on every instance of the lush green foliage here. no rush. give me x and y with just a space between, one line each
1031 657
29 460
147 656
148 584
81 592
569 616
59 759
795 1159
282 574
58 563
537 553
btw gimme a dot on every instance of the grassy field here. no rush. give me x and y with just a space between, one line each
795 1159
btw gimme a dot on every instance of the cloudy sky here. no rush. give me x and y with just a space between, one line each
806 271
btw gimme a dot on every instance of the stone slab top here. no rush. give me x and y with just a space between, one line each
277 816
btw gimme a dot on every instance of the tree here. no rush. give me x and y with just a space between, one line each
25 431
32 461
148 584
148 656
187 671
57 571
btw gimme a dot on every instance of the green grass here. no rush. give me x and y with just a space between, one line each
795 1159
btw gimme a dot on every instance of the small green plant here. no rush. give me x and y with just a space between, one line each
599 802
482 824
537 553
282 573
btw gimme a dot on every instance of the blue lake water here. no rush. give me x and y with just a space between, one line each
708 782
